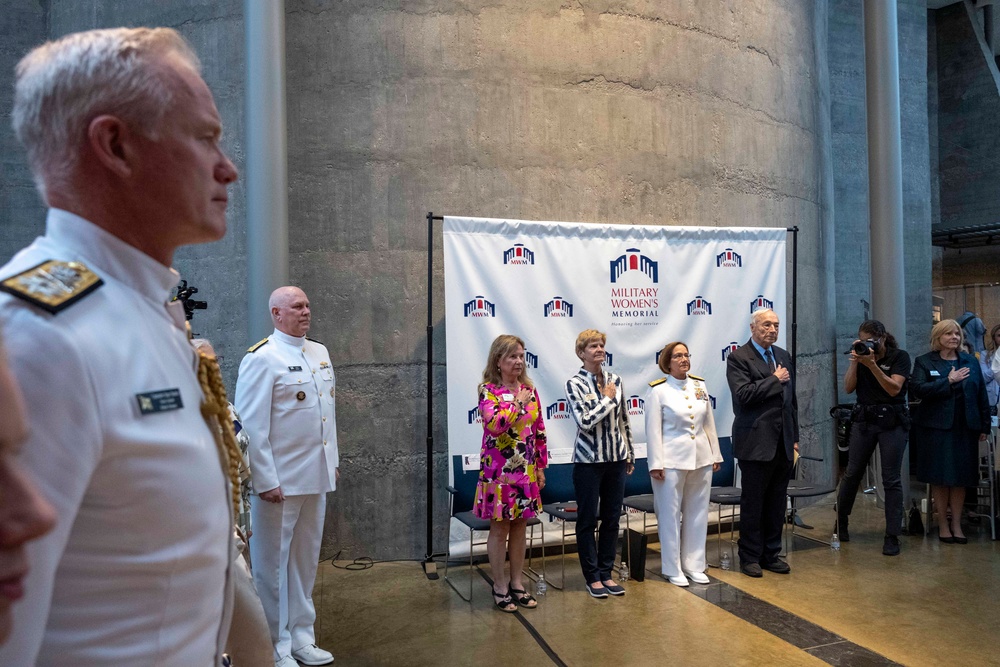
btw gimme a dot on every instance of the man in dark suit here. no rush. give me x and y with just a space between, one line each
765 436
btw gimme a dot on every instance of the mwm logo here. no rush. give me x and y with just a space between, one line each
480 307
608 359
729 349
531 359
558 410
635 406
760 303
711 399
698 306
728 258
632 260
518 254
558 307
475 416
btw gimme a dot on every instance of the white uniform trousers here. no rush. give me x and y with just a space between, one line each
284 550
682 543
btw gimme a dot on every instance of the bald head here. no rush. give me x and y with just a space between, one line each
290 312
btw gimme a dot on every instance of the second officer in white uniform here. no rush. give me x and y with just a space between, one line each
682 452
285 394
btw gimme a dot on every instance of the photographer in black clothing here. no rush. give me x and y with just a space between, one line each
878 371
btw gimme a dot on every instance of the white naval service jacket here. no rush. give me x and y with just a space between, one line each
286 394
680 426
135 571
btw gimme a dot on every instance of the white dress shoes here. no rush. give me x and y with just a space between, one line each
287 661
698 577
312 655
679 580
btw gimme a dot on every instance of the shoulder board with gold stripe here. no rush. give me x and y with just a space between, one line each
256 346
53 285
695 377
657 381
313 340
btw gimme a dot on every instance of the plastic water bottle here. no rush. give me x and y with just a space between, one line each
541 588
835 542
623 571
725 562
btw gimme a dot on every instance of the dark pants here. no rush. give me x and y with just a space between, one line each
762 507
892 444
599 487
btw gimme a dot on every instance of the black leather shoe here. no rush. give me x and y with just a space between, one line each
777 565
841 529
891 546
947 540
751 570
960 540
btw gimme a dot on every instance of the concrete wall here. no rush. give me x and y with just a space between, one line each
636 112
967 123
850 149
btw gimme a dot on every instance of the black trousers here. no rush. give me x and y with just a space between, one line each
762 506
892 445
600 489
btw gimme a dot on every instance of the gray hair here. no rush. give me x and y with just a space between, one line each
759 313
61 86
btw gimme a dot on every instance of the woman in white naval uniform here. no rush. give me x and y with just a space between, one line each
682 451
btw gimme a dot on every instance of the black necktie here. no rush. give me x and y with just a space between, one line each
770 358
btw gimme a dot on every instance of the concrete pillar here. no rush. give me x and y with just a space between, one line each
266 159
885 178
885 171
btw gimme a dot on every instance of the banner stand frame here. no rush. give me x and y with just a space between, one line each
429 565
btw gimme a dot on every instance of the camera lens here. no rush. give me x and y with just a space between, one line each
862 347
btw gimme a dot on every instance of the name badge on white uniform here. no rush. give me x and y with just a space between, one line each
163 400
293 369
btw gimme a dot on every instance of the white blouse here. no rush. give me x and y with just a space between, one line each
680 426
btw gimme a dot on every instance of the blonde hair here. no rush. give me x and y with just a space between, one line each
940 329
62 85
503 345
588 336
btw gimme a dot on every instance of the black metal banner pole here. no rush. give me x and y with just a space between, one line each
795 288
430 568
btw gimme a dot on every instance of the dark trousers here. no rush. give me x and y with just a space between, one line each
762 507
600 489
892 445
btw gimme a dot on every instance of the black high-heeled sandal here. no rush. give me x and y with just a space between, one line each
524 598
504 602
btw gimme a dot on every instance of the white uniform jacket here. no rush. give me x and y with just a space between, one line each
286 394
135 572
680 426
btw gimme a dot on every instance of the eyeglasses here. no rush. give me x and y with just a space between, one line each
680 355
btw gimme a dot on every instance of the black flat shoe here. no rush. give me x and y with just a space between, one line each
960 540
947 540
523 598
504 602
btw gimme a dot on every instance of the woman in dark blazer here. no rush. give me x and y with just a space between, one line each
953 416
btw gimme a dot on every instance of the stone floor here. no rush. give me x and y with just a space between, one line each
935 604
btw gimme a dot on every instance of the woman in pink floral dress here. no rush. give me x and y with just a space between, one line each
512 464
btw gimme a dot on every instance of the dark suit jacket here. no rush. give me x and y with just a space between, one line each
765 409
937 397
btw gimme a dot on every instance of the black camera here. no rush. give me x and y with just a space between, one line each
184 294
863 347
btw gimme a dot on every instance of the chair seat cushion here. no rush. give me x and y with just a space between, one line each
800 489
643 503
725 495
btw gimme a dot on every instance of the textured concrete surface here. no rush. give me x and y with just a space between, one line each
850 148
732 112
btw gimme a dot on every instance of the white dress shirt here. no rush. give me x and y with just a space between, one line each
680 426
135 572
286 393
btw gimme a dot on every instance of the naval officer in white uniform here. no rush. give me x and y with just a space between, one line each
682 450
122 136
286 394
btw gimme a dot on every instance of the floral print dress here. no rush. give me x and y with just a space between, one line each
514 450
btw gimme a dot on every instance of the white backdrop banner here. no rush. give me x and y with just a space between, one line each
644 286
